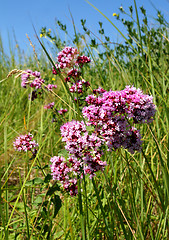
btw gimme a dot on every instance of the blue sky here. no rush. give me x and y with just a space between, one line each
19 15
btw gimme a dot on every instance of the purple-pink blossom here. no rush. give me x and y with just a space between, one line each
25 143
84 156
70 63
32 79
112 112
112 115
56 69
73 73
67 57
62 111
49 105
81 60
61 170
50 86
82 145
99 90
79 86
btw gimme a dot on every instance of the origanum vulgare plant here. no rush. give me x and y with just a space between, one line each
110 115
25 143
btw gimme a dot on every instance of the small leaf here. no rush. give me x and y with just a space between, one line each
52 190
37 181
29 183
90 128
47 178
59 234
38 200
63 153
57 204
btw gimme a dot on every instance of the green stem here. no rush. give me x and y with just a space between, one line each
86 206
6 178
1 206
138 26
65 217
156 184
102 210
26 215
81 210
22 188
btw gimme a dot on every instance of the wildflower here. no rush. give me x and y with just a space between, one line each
50 86
140 106
121 9
132 141
83 146
62 111
69 60
56 69
81 60
67 57
25 143
60 171
25 78
78 86
49 106
84 156
73 73
114 14
33 79
111 111
99 90
59 168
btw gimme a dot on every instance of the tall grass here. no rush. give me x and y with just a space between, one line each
130 199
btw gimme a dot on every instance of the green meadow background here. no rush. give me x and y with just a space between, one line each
130 200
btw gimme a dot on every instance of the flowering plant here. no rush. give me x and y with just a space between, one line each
113 116
25 143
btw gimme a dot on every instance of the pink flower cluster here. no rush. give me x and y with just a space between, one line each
60 171
111 114
84 154
83 146
69 60
111 111
62 111
81 60
50 86
25 143
32 79
49 106
79 86
67 57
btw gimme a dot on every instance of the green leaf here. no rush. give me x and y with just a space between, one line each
63 153
52 190
35 181
47 178
90 128
57 204
38 200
